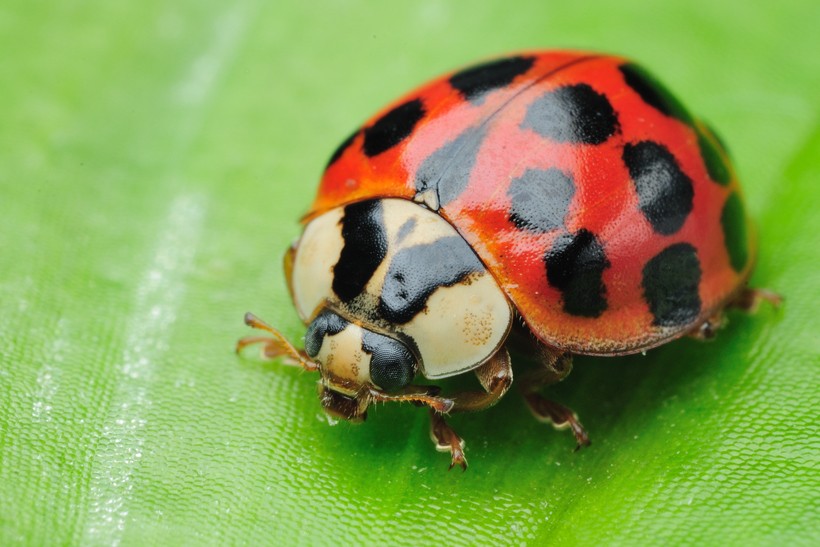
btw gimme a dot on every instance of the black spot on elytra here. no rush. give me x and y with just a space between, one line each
448 169
654 93
670 285
473 83
540 199
416 272
365 246
575 265
392 365
574 113
326 323
712 158
392 128
733 221
664 191
341 149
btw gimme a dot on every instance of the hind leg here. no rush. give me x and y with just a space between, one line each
748 301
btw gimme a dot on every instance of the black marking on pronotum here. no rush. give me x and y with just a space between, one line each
670 285
392 365
540 199
416 272
575 265
664 191
712 158
326 323
365 246
448 169
574 114
392 128
733 221
405 229
654 93
341 149
475 82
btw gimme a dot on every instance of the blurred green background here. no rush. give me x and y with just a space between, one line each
154 160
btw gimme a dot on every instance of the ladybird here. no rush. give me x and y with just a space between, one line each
555 202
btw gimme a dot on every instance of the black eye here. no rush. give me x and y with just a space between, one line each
313 338
392 366
326 323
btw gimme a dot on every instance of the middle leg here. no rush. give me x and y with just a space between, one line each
554 367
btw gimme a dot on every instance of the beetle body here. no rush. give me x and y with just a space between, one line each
570 190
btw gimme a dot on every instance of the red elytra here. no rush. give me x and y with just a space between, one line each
651 193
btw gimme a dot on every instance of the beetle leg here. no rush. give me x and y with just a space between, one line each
708 329
555 366
447 440
749 299
418 395
495 376
444 437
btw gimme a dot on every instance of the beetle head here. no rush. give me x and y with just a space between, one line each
354 360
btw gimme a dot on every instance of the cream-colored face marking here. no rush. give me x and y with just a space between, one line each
429 286
345 367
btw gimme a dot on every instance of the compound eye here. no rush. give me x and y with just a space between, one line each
326 323
392 366
313 339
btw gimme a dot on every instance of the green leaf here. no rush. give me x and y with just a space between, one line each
156 158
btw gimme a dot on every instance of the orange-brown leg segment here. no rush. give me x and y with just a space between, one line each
749 300
418 395
495 376
444 437
708 329
555 366
447 440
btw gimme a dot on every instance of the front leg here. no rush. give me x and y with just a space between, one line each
495 376
447 440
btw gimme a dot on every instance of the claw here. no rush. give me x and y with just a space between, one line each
559 416
457 459
447 440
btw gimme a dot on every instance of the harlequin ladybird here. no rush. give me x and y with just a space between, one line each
563 202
